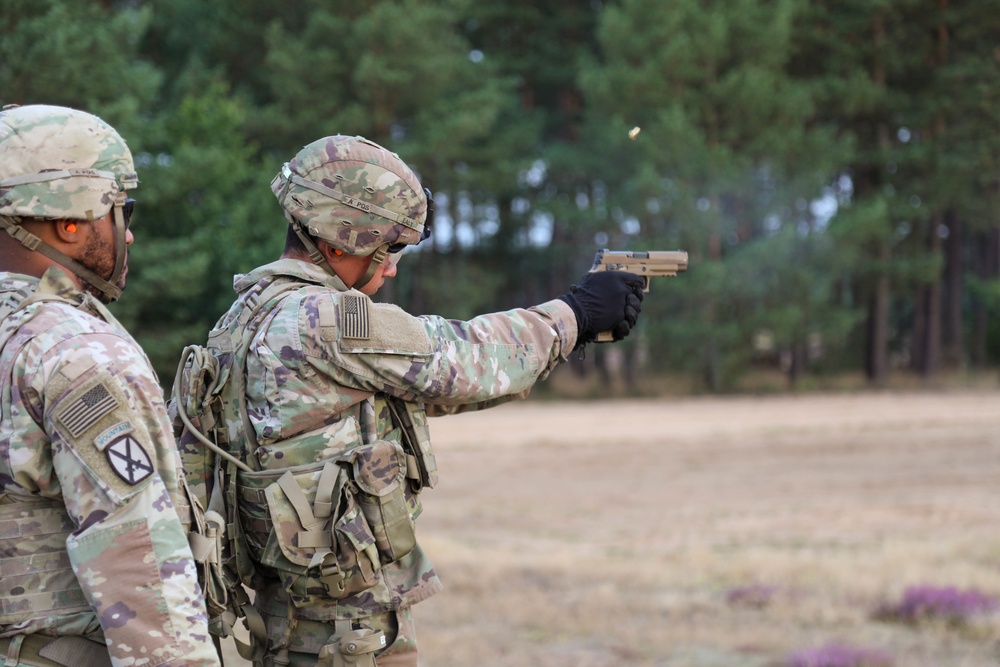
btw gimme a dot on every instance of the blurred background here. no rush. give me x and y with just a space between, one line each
830 167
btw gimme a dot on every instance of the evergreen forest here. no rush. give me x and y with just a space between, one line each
831 167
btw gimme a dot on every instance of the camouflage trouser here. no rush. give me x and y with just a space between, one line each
316 643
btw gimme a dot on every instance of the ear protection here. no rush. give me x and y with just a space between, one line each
71 228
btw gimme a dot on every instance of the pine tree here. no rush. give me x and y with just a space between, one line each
725 157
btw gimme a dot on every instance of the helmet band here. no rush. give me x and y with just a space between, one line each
46 176
353 202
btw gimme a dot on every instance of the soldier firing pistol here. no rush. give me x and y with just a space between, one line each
646 265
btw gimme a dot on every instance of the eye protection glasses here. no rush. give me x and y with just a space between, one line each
396 249
127 211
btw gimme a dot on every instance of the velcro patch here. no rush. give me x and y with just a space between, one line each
93 417
104 439
354 320
129 459
392 331
86 410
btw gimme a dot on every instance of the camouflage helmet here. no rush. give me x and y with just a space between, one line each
60 164
354 194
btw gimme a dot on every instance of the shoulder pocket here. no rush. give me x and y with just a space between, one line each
97 422
363 326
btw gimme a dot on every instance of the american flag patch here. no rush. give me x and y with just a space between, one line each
354 316
84 412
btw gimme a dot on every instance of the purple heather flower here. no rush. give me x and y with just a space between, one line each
947 603
840 655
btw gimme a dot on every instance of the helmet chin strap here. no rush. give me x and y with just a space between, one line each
314 254
121 248
108 288
377 258
319 260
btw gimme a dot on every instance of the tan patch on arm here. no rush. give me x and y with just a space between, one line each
388 329
99 406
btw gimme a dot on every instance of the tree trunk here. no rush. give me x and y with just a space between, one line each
932 345
713 370
878 316
953 339
918 344
980 314
800 362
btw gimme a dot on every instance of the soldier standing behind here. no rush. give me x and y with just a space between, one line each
95 567
322 396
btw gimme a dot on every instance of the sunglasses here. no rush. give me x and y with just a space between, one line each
397 248
127 211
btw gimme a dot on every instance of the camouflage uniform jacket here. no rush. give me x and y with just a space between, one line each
324 361
91 497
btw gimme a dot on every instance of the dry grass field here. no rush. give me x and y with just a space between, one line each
711 532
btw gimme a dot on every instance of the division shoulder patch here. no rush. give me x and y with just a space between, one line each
354 319
129 460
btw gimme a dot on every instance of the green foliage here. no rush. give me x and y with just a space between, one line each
752 114
204 212
77 53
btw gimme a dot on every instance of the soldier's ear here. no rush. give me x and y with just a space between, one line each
67 231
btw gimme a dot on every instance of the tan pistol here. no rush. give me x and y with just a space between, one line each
643 263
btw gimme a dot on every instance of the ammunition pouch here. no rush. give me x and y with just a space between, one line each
421 464
353 649
325 529
380 477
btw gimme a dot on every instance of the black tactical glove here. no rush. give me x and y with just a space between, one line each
605 301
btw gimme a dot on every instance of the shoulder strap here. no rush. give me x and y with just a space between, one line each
242 331
223 363
13 303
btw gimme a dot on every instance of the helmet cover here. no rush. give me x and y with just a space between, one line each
352 193
60 163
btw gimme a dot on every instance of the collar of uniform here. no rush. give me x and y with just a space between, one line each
303 271
55 281
12 282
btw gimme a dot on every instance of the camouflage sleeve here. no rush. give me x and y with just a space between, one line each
114 459
475 363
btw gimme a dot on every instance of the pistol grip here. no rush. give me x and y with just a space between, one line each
604 337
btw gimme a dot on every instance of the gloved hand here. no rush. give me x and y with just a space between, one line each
605 301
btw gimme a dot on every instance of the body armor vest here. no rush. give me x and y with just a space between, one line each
324 529
36 579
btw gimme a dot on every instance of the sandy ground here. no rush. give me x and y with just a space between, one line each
611 532
617 532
